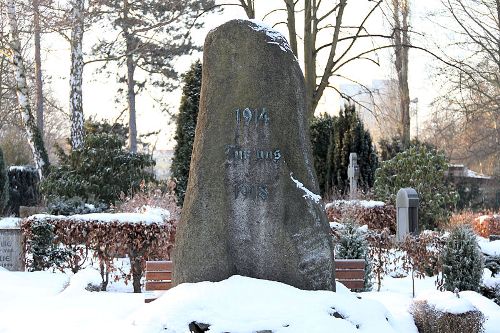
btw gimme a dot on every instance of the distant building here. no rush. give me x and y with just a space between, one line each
163 160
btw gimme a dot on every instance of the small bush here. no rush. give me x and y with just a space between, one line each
101 171
23 188
462 261
352 244
72 206
44 247
430 320
423 169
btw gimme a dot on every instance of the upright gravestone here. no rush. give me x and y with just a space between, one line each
353 174
250 207
11 254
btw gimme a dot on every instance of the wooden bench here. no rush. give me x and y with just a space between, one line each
158 279
350 272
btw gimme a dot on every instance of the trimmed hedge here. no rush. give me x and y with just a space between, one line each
107 238
376 218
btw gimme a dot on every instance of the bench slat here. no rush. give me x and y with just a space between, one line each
159 265
350 274
353 284
158 285
349 264
158 276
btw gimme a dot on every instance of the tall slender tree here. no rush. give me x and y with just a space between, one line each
400 10
76 74
186 125
149 35
32 131
37 32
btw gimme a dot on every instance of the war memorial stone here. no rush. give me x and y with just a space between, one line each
250 208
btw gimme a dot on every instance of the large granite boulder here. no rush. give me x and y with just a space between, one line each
250 207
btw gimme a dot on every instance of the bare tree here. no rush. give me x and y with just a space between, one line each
471 80
400 11
149 35
32 131
321 62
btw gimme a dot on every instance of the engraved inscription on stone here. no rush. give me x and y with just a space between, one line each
10 249
248 190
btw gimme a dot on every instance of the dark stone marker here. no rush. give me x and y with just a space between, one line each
244 212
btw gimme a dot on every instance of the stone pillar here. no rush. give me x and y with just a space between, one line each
250 207
353 174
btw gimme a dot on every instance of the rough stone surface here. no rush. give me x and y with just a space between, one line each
243 212
11 256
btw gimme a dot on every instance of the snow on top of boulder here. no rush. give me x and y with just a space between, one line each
10 223
146 218
274 35
446 301
242 304
308 194
362 203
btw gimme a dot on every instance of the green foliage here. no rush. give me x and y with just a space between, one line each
422 169
389 148
352 244
333 139
462 261
186 126
44 249
4 184
102 170
321 130
72 206
23 188
349 136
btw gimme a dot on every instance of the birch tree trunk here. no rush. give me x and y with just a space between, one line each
131 46
400 17
33 133
76 75
38 66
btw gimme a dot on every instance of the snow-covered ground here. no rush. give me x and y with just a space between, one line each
57 302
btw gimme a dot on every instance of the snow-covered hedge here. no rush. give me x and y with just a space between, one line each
375 214
446 313
139 236
486 225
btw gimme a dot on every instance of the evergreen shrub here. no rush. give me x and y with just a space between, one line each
423 170
463 262
101 171
344 134
351 243
23 188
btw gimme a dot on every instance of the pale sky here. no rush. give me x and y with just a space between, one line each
100 92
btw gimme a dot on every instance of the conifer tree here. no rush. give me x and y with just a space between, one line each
321 130
186 125
350 136
462 261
